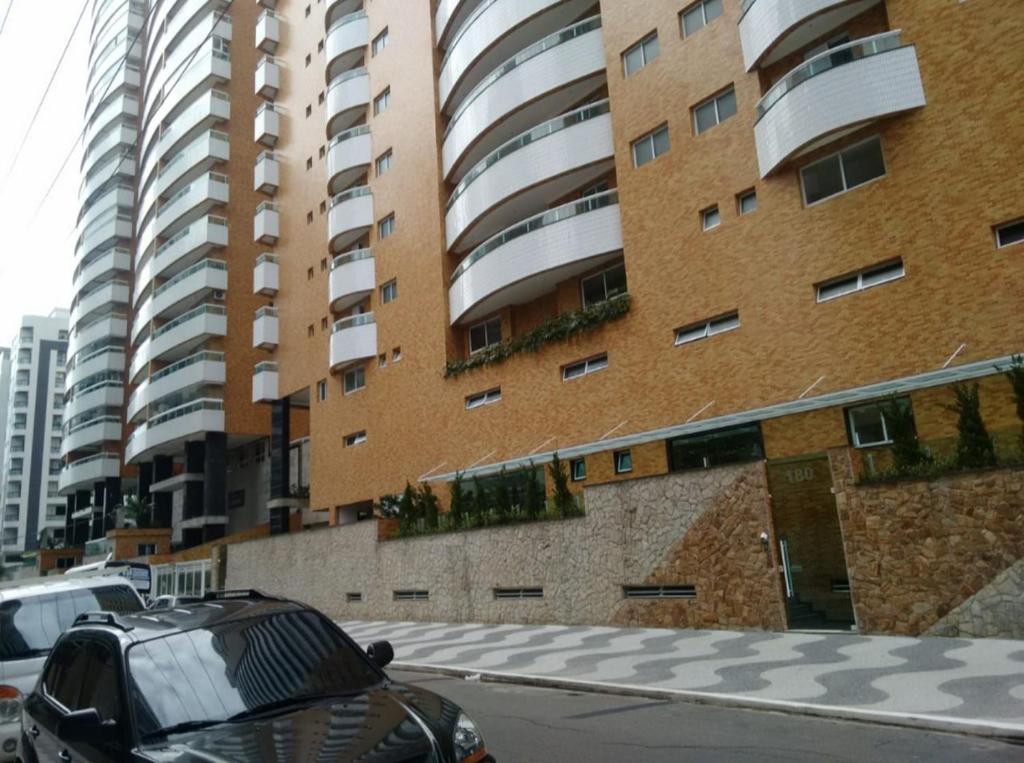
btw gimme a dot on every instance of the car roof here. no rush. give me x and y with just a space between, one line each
27 588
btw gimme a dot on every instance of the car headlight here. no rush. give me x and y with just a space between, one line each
469 743
10 704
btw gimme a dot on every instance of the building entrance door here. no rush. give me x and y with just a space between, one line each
810 545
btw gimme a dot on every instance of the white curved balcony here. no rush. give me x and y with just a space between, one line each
265 332
345 44
268 31
197 159
348 96
266 224
192 285
117 166
119 78
449 16
104 232
106 359
349 155
111 293
266 275
834 93
113 326
538 83
122 196
116 141
98 430
166 432
185 248
210 110
196 48
122 46
520 177
354 340
772 29
267 125
266 175
209 71
112 262
264 382
178 338
495 30
202 369
105 394
125 106
350 217
84 472
187 17
336 9
529 259
267 77
352 279
196 199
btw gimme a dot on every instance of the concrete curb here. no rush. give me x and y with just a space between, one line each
1007 732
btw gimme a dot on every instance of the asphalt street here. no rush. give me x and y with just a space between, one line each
523 724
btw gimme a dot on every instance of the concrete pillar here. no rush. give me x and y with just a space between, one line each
215 475
163 469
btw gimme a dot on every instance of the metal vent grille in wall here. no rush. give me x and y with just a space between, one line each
660 592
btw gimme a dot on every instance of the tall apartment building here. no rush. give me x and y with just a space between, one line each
5 391
465 234
31 507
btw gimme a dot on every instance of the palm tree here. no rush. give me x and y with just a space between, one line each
138 510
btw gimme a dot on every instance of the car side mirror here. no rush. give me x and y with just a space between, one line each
85 726
381 653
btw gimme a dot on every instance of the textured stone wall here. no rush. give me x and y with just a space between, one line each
917 550
996 610
699 528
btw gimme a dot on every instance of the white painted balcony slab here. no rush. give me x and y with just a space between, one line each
180 337
345 43
529 259
268 32
122 196
266 275
85 471
100 361
108 394
194 284
110 295
122 107
123 136
349 155
119 78
203 369
264 383
208 111
539 82
811 107
266 175
267 125
112 262
167 431
113 327
494 31
185 248
104 233
266 225
335 9
520 177
268 78
209 71
352 279
348 96
772 29
265 332
98 430
350 217
197 14
116 166
354 340
449 16
195 160
195 200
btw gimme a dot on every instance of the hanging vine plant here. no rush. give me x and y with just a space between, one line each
556 329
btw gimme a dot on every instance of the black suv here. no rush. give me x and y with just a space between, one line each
239 676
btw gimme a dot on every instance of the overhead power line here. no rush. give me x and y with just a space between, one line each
6 14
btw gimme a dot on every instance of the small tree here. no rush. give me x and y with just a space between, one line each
907 453
388 506
481 504
502 498
974 447
428 506
458 503
563 499
1015 375
139 510
534 495
406 510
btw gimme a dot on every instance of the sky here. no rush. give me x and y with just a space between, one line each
37 255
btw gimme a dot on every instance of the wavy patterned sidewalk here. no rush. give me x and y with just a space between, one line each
968 685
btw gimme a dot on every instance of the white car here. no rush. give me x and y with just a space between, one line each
33 613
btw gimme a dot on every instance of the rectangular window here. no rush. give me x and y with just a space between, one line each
865 279
386 226
518 593
356 438
650 146
842 171
746 202
384 162
411 595
714 111
623 461
1009 234
584 367
700 15
482 399
483 335
396 354
604 285
867 424
379 42
353 597
705 329
145 549
710 218
578 469
355 379
389 292
638 56
380 103
731 445
321 390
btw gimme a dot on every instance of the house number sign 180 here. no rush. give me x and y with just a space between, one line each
800 474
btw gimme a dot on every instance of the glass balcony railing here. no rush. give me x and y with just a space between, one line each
185 317
353 256
345 77
266 312
352 132
266 366
189 271
352 193
352 321
346 20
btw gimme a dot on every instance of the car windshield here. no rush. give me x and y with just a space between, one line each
29 626
212 674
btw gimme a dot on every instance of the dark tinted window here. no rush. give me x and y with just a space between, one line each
210 674
709 449
30 626
65 671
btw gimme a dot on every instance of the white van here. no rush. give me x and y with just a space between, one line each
139 574
33 613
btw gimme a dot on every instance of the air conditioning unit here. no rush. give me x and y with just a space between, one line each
219 295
